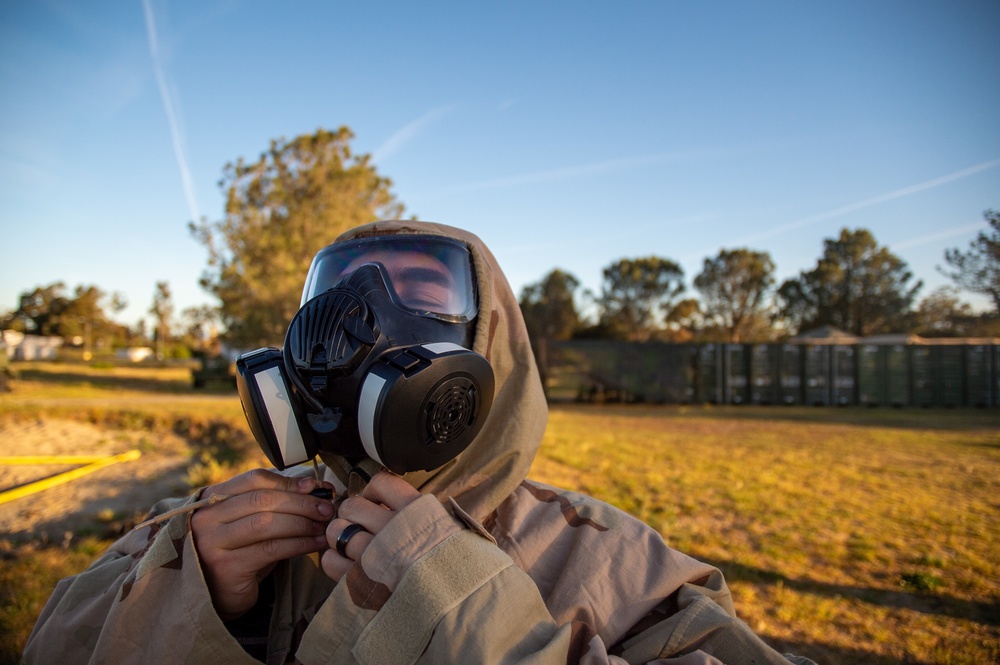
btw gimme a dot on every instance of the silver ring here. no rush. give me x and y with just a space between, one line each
349 532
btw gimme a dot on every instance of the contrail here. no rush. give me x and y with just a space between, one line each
934 237
583 170
867 203
175 134
406 134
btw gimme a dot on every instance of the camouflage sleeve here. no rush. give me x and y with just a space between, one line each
431 588
144 600
699 627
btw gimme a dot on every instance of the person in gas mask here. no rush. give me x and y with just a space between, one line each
408 372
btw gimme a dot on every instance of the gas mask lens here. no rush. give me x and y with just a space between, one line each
427 275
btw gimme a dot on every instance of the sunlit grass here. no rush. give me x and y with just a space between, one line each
28 574
841 540
847 535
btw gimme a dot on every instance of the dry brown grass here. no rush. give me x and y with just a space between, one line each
846 535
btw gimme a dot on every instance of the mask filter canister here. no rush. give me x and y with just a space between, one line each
422 405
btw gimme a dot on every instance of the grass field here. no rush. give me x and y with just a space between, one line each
847 535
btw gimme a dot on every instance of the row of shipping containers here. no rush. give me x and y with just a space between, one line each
942 375
925 375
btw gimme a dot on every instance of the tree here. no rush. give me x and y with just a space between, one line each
978 269
51 310
684 320
638 294
201 328
734 286
856 285
941 314
41 311
280 210
162 310
549 306
549 311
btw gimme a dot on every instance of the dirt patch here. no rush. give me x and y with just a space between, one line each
115 493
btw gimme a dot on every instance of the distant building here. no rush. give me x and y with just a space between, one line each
135 354
30 347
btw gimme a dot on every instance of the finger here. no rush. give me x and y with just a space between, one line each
259 528
254 501
391 490
334 565
373 517
258 556
357 544
263 479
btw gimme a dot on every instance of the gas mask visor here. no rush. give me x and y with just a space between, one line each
430 276
377 362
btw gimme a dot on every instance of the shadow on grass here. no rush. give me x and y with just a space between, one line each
926 603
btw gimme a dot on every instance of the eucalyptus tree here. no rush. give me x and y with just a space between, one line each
280 209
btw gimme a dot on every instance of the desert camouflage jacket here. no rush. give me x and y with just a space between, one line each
486 567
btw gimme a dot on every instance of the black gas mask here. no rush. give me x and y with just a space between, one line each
376 362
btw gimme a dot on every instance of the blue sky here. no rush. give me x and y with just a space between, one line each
565 134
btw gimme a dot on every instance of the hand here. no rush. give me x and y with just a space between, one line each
268 518
385 495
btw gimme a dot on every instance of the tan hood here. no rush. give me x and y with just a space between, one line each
500 457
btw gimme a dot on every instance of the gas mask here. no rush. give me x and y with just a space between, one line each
376 362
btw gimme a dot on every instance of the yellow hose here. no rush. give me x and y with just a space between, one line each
91 462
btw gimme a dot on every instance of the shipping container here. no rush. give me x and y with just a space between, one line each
842 375
923 372
790 374
710 374
871 376
950 375
978 376
764 374
737 374
817 374
914 372
897 374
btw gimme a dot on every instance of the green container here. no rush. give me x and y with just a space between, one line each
842 371
871 377
764 373
737 384
710 374
978 375
817 375
922 377
950 376
790 374
897 375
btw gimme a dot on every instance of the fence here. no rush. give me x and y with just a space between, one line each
930 373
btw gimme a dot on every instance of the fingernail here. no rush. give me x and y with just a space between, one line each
321 541
325 509
306 483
